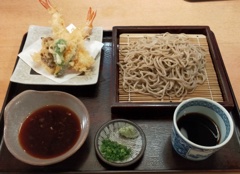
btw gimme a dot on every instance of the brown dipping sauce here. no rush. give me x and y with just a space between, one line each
200 129
49 131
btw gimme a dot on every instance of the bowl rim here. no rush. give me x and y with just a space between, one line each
124 164
45 161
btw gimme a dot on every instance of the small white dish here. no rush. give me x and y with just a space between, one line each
21 106
110 130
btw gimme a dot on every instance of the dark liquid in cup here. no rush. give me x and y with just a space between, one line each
199 129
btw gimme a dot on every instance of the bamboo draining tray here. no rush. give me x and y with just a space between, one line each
216 87
210 89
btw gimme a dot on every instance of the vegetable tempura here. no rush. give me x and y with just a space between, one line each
65 50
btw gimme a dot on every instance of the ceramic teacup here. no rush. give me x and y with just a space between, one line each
200 128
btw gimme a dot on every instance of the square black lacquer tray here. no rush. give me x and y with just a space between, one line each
159 156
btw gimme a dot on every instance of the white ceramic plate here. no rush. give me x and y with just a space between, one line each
24 74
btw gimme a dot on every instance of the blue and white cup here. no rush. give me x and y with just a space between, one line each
216 112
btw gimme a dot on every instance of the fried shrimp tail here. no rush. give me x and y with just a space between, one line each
58 23
87 30
46 3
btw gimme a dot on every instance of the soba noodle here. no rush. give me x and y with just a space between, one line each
162 65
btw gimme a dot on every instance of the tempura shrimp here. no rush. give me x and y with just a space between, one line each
58 24
67 48
87 30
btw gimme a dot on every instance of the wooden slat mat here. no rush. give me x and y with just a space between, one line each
210 89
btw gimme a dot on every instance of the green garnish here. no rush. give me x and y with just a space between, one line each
113 151
59 49
129 131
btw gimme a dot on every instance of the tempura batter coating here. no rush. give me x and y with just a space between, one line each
64 49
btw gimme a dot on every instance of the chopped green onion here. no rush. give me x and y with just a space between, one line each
113 151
